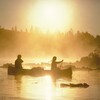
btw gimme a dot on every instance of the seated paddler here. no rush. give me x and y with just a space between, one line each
18 63
54 64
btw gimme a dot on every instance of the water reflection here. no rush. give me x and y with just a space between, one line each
43 88
36 87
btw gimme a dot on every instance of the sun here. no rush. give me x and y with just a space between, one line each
50 15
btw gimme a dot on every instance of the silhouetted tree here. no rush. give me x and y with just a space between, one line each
95 60
31 29
12 29
26 30
97 40
15 28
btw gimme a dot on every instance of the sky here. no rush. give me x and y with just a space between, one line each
84 14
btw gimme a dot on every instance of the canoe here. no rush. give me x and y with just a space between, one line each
38 71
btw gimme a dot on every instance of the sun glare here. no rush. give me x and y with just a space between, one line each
50 15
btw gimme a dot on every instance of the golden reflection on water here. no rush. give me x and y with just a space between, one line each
35 87
44 88
47 87
41 88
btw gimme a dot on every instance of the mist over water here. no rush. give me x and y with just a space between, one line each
36 47
69 46
50 35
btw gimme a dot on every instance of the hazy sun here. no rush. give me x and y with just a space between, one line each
50 15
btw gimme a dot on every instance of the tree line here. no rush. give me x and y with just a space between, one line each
37 43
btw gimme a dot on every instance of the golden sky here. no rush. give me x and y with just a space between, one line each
51 15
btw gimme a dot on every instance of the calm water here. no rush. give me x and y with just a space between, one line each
42 88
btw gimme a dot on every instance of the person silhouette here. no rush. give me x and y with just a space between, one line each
18 63
54 64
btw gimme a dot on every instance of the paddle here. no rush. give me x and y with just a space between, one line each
61 64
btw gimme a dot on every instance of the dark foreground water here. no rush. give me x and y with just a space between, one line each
42 88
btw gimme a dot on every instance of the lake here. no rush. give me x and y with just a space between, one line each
43 88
